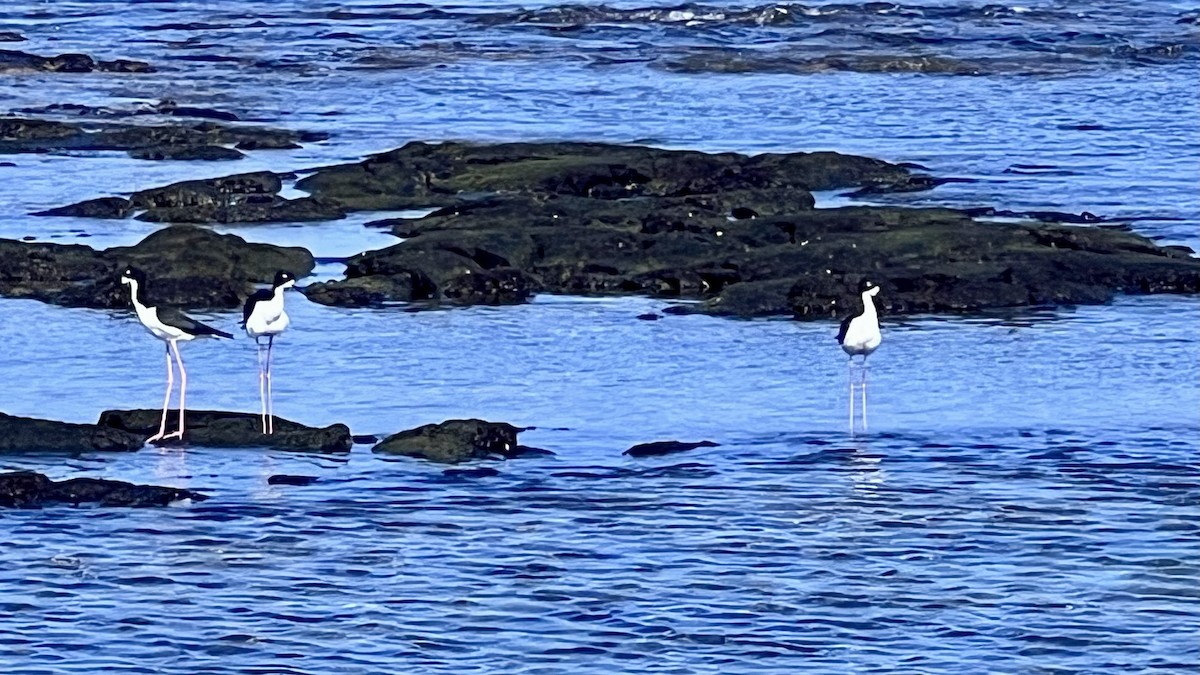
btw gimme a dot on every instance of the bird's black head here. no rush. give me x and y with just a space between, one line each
866 286
131 274
284 279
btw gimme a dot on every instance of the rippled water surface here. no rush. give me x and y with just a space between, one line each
1027 499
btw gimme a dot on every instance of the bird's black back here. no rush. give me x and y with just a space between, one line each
173 317
844 329
261 295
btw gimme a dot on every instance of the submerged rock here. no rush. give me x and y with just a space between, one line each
23 489
665 448
191 141
240 198
187 153
12 61
744 61
29 435
102 207
478 472
188 267
455 441
234 430
284 479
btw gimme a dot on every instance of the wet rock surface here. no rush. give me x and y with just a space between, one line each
422 174
477 472
284 479
740 61
189 141
25 489
665 448
239 198
20 435
213 428
12 61
187 266
163 107
187 153
751 245
455 441
738 233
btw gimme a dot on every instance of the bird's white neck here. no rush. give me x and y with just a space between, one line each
868 305
135 295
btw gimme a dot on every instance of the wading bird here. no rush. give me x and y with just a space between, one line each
859 335
172 327
263 316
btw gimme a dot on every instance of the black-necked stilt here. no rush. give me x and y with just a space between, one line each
859 335
172 327
263 316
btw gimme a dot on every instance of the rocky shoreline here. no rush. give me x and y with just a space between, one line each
452 441
12 61
220 429
204 141
738 234
191 267
26 489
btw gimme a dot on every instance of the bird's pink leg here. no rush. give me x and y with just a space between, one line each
270 394
162 425
850 377
262 383
182 392
864 394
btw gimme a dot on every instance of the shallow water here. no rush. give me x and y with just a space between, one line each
1026 500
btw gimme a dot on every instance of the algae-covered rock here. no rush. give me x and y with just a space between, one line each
20 435
25 489
455 441
187 266
220 429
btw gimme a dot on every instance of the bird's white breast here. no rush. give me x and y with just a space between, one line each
863 336
267 317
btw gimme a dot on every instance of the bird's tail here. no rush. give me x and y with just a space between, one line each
209 330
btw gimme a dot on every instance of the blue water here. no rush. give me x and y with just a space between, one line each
1026 500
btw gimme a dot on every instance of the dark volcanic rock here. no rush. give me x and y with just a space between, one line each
422 174
168 107
284 479
804 262
235 430
737 233
565 217
25 434
665 448
240 198
454 441
371 291
23 489
744 61
477 472
189 141
102 207
21 62
187 153
188 267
